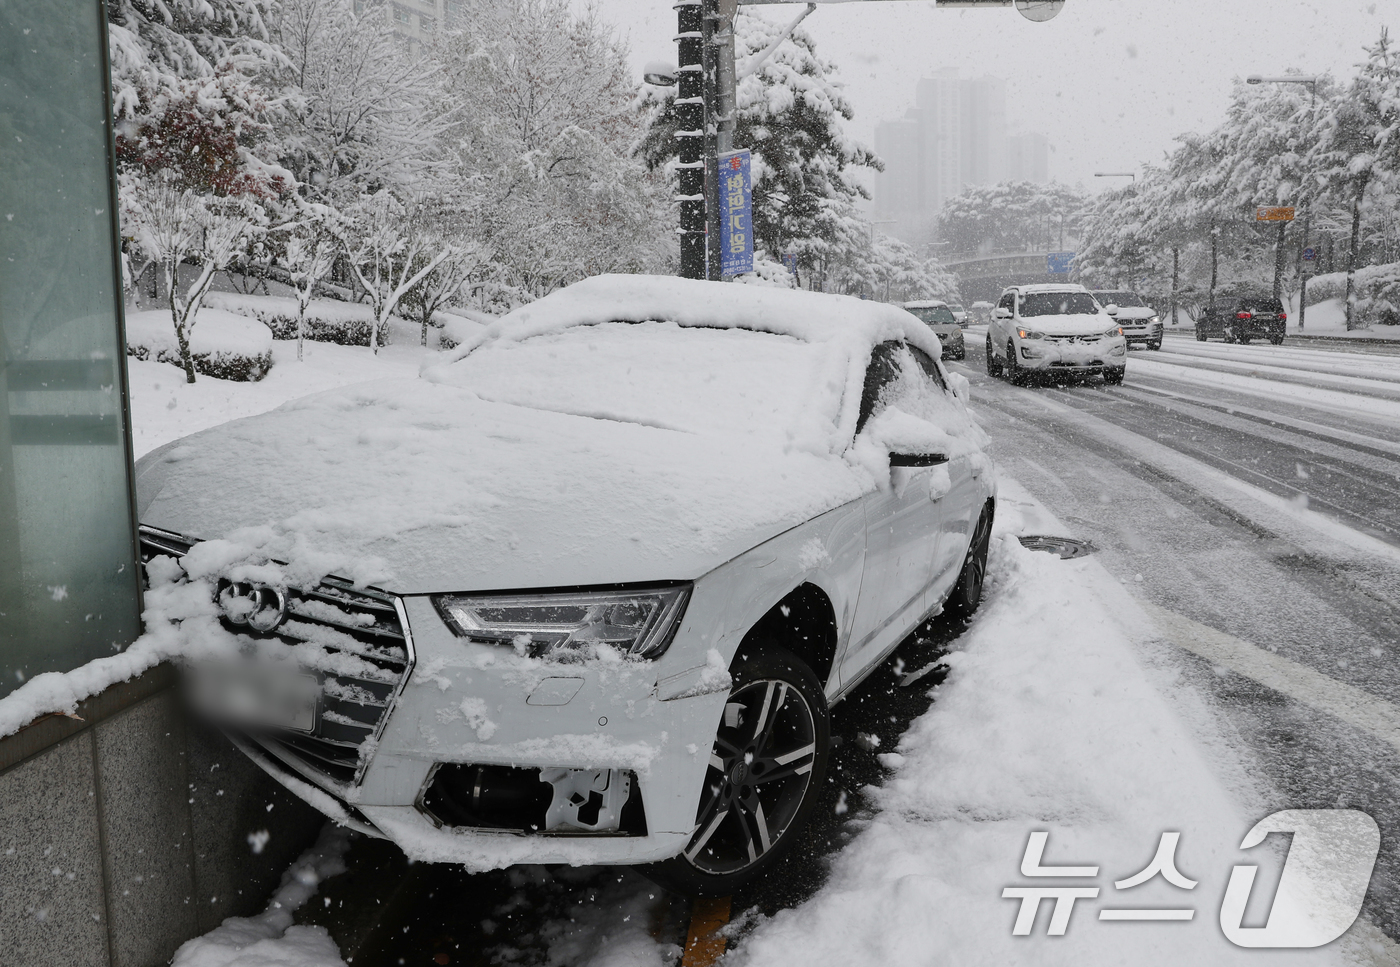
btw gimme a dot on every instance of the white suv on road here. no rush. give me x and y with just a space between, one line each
1139 320
584 591
1049 329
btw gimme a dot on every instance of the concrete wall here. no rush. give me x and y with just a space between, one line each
129 835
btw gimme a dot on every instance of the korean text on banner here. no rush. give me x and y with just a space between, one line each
736 213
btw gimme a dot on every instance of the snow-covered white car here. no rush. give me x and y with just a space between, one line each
584 592
1139 320
1054 329
940 319
959 313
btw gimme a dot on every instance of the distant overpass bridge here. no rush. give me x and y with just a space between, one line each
983 277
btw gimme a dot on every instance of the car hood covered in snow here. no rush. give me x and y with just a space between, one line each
417 486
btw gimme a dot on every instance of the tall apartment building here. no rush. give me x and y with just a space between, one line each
416 22
953 137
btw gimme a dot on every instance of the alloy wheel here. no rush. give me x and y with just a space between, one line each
760 768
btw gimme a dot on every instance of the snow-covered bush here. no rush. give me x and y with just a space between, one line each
1376 289
343 323
767 272
225 345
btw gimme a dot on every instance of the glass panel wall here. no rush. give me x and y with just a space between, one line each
69 587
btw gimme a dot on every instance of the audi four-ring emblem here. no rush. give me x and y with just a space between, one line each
258 606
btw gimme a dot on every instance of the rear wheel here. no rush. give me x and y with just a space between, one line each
1201 335
994 367
1276 340
1244 340
967 593
766 771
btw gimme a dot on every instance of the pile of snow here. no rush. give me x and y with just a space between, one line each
270 938
460 325
344 323
224 344
767 272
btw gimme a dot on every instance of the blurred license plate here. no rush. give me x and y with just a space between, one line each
255 695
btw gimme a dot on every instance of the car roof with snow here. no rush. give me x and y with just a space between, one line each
1048 287
923 304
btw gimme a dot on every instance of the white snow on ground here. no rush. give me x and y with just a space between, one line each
1329 318
270 939
164 407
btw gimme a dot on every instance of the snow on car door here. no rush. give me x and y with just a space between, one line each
902 525
960 506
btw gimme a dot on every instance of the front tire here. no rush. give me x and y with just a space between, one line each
767 768
994 367
1155 345
1201 335
1015 374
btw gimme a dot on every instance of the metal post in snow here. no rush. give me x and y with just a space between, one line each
690 131
711 94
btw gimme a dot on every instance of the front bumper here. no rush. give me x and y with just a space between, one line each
467 705
1078 354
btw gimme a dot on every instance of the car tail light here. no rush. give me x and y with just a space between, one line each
1244 315
1283 317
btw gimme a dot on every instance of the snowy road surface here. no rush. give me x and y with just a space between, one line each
1249 497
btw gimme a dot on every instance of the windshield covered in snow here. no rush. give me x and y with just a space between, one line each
935 315
1058 304
699 380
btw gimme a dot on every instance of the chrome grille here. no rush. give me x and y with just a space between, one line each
1074 339
363 653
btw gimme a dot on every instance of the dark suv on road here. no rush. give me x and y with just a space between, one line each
1242 318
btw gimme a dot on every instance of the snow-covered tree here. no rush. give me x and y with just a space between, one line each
313 242
790 114
360 113
174 225
544 149
203 133
389 251
155 44
1013 216
442 284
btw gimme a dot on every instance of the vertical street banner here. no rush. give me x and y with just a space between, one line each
736 213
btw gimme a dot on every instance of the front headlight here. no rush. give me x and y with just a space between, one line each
1155 321
1115 331
1030 334
571 625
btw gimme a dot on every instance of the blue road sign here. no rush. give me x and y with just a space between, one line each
1057 263
1309 255
735 213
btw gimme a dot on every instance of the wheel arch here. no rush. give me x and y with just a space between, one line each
803 622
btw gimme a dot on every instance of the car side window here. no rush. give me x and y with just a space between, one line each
903 375
1008 301
929 367
882 371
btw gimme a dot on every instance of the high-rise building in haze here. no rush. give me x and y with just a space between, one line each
954 136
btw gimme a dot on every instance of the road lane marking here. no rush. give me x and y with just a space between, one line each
704 945
1352 705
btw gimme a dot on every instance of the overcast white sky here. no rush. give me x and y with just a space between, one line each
1110 82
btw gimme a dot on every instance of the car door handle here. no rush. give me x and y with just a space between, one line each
917 459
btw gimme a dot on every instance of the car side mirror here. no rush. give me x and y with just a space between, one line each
1111 309
917 459
1002 312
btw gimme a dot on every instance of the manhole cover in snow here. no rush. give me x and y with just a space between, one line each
1065 547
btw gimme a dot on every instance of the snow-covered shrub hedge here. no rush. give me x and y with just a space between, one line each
769 273
223 344
1376 290
344 323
